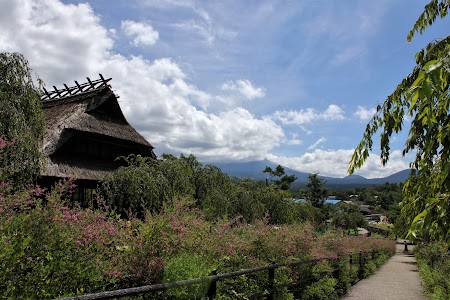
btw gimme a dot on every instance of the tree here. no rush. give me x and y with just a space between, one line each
140 186
347 216
424 97
214 192
284 182
316 191
21 121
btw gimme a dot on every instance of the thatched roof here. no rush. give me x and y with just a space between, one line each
93 111
76 169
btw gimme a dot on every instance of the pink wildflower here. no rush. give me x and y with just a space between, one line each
2 142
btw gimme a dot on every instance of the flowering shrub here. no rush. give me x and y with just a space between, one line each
50 250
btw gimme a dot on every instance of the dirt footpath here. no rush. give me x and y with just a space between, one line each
398 279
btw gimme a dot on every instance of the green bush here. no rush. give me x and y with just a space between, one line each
140 186
238 288
434 267
188 266
369 268
342 274
146 184
323 289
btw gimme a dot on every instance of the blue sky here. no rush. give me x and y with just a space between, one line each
291 81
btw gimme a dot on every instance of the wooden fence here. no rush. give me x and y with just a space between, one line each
356 260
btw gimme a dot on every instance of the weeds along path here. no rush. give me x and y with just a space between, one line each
398 279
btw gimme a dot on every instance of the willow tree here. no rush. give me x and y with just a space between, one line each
21 121
424 97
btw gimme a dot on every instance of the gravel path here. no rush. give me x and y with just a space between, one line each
397 279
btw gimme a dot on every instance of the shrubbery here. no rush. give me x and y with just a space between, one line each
50 250
47 248
434 268
146 184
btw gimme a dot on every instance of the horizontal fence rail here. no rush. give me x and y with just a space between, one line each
354 259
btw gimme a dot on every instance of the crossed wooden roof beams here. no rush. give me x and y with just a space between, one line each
57 94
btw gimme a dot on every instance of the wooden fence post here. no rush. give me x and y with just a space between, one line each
340 275
337 271
351 262
361 265
212 291
271 281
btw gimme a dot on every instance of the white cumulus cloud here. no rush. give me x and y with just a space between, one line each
62 42
333 112
245 88
66 42
334 163
364 113
309 115
141 32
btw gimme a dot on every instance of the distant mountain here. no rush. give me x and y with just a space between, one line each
398 177
354 178
254 170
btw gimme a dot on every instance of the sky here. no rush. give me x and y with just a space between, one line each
294 82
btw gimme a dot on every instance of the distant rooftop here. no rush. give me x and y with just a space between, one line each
331 201
327 201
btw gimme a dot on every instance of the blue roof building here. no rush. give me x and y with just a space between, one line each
326 201
331 201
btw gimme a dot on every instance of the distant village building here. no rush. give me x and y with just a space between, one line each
85 132
331 201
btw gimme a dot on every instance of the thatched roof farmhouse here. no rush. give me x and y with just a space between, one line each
85 132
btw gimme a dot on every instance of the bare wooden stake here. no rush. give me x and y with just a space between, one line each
46 92
90 82
56 90
67 89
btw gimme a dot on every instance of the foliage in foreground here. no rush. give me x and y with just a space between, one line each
423 96
50 250
434 267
